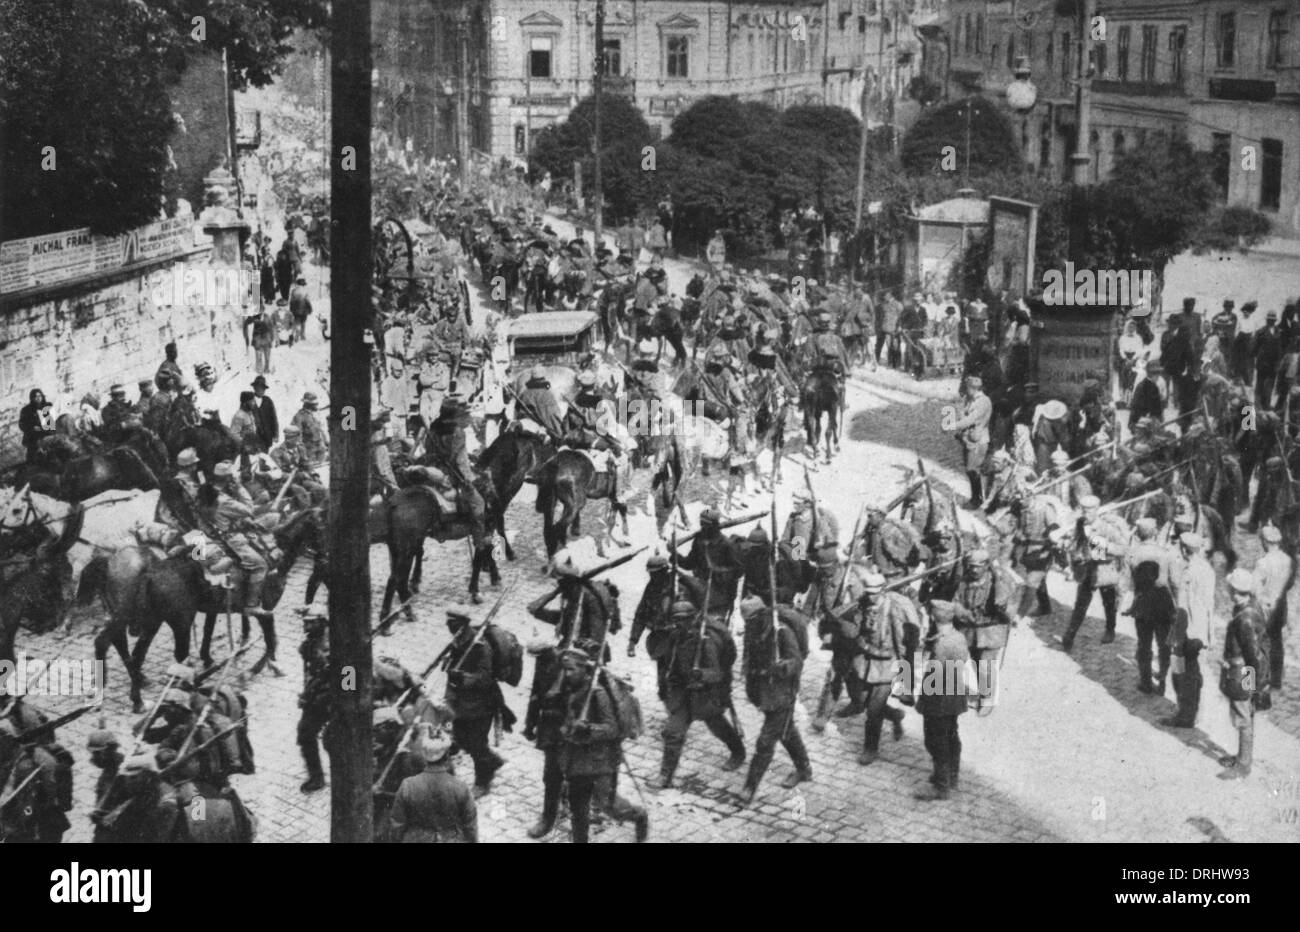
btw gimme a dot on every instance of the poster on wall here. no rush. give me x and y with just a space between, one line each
1013 228
1071 345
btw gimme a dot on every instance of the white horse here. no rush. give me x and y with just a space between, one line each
109 522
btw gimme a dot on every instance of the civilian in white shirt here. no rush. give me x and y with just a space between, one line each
1272 580
1192 581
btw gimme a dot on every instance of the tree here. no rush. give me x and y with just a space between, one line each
992 142
624 135
91 81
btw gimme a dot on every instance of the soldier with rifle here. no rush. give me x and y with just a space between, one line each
315 699
474 697
697 686
433 806
713 556
40 776
776 643
446 448
984 593
588 607
141 809
592 745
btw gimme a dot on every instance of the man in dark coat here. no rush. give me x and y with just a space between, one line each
474 697
1178 359
34 422
433 806
940 707
772 674
1146 400
1267 348
1245 667
268 423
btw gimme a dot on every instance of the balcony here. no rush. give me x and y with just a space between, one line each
1137 88
1243 89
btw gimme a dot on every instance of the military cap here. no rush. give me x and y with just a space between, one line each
187 457
101 739
563 564
828 556
1153 367
751 606
144 384
1146 528
873 582
1089 501
182 672
1060 456
1250 305
144 762
656 561
1240 580
1274 462
309 399
246 396
457 617
385 715
1191 540
381 419
683 609
1271 315
430 744
974 381
292 430
710 516
537 374
1270 534
977 557
587 379
224 468
758 535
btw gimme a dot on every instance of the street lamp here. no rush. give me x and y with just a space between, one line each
1022 93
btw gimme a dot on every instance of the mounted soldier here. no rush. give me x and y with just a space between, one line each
447 449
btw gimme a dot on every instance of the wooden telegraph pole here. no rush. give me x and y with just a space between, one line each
598 187
350 750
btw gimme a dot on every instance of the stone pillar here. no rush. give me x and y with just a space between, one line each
229 231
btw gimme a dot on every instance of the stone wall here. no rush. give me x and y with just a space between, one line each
80 338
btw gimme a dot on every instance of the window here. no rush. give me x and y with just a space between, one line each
862 25
539 56
1099 59
1045 144
613 58
1149 36
1221 161
678 56
1011 51
1177 50
1051 49
753 61
1066 52
785 53
1277 30
1121 54
1094 150
993 54
519 139
844 19
970 35
957 33
776 53
1270 176
1117 148
1225 39
1029 47
979 33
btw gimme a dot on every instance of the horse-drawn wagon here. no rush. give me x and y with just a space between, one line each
559 341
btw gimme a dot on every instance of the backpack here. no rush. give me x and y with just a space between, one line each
62 774
234 751
507 655
627 708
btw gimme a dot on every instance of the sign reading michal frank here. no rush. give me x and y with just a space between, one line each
1070 346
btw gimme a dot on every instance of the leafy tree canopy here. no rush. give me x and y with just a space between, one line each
992 142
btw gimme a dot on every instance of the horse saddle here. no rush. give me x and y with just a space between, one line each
526 425
437 482
600 459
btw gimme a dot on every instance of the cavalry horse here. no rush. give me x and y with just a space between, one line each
144 590
820 399
66 470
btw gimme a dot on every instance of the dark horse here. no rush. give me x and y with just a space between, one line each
212 442
414 513
33 573
67 473
821 397
569 479
143 591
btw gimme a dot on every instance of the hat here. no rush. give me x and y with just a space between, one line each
1001 457
1154 368
801 495
1146 528
1189 304
187 457
974 381
309 400
1185 518
212 413
291 430
942 612
828 557
101 739
385 715
1250 305
182 672
757 535
873 582
1089 501
246 396
259 382
1271 315
656 561
300 280
144 384
430 744
224 468
203 368
457 617
537 374
1240 580
751 606
682 609
1191 540
1059 455
587 379
1271 535
380 419
144 762
977 558
117 389
710 516
563 565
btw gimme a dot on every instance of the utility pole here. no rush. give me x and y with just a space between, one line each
462 104
862 142
350 749
598 187
1081 160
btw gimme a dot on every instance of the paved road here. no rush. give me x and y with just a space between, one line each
1072 753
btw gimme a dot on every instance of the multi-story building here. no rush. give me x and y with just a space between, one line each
513 67
1225 72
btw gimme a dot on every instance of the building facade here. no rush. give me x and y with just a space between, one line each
499 71
1225 72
